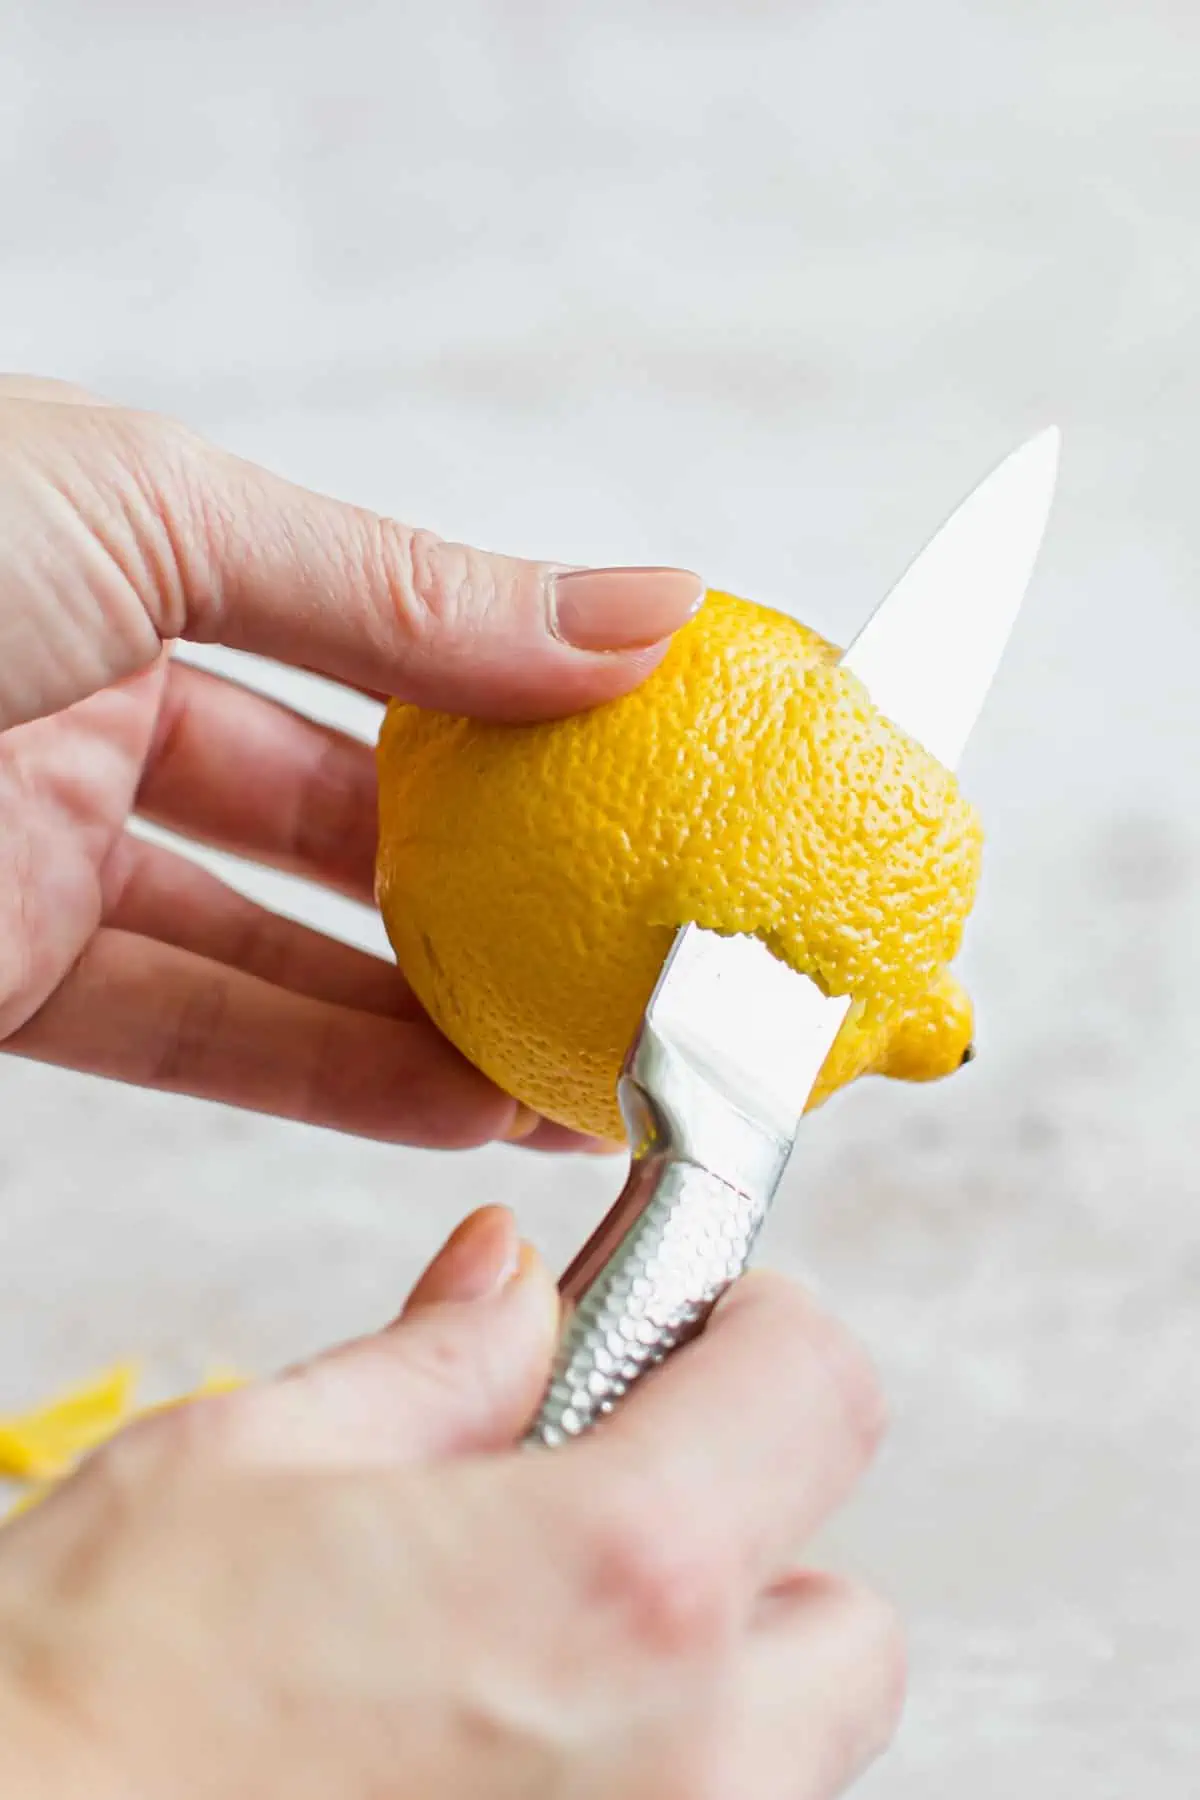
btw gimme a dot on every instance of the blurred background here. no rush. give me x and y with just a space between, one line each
761 287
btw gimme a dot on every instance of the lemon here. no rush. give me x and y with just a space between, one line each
531 878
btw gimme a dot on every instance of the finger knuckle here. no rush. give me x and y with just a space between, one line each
819 1339
430 583
858 1385
115 1475
316 834
191 1027
114 1471
671 1587
180 519
185 1434
885 1651
876 1659
257 945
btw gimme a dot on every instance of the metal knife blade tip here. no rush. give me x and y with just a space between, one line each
928 653
754 1027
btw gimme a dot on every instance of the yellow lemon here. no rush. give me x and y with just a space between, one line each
532 877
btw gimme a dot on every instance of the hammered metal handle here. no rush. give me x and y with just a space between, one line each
643 1284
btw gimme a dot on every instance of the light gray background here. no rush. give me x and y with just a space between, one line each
761 288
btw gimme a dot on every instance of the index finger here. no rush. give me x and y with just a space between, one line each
755 1432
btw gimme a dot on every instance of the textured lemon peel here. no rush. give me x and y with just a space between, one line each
45 1443
532 877
41 1447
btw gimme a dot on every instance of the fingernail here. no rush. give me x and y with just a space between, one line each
532 1283
524 1123
621 609
489 1253
479 1258
528 1263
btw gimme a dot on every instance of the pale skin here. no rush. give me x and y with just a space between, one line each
349 1582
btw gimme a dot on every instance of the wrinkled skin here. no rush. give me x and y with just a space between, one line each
120 532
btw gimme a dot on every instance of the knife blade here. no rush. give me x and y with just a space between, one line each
926 659
732 1040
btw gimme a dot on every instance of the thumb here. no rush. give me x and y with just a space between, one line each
453 1375
176 539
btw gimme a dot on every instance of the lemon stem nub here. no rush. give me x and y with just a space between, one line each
968 1056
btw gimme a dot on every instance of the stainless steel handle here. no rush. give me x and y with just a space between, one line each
710 1148
644 1283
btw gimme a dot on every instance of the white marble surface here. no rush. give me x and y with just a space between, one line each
759 286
